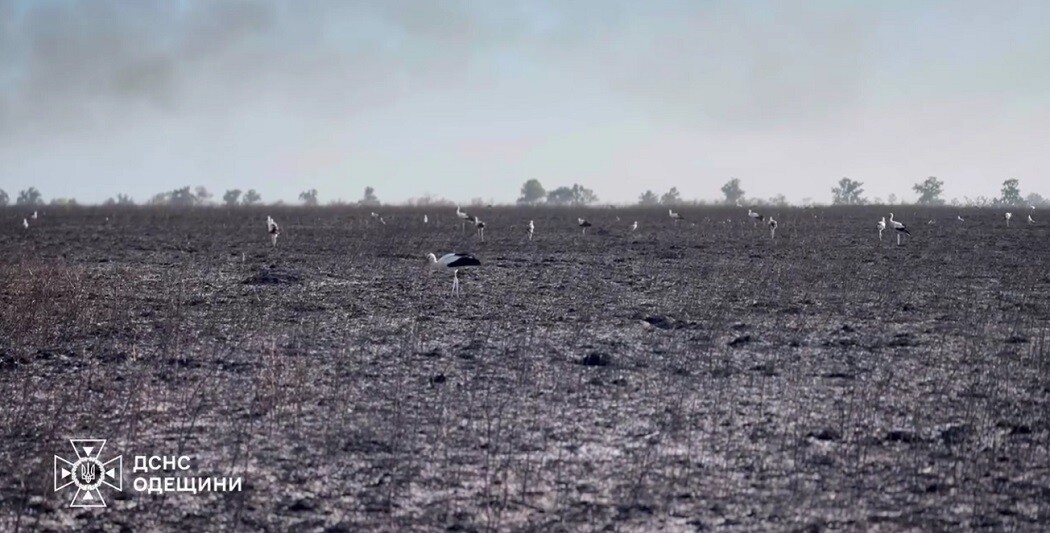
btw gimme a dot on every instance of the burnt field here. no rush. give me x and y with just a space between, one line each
677 378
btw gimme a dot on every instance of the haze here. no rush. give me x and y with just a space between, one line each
470 99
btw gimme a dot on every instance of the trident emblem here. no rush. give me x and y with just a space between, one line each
88 473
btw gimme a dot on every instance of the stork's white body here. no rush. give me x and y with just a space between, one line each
900 228
634 227
273 229
34 215
425 219
25 223
583 224
532 229
452 263
1008 217
463 217
1031 220
754 216
674 216
881 226
772 228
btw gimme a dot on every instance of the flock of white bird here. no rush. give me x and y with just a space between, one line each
453 262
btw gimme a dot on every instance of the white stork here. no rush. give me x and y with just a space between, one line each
772 228
959 218
1008 217
480 227
25 223
881 226
754 216
1031 220
34 215
463 217
899 226
532 229
674 216
425 219
583 224
453 262
634 227
273 229
377 216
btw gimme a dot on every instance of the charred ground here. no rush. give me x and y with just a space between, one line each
680 377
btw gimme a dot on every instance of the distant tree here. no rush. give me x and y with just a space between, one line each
251 198
779 200
63 201
891 199
4 198
1011 193
732 191
123 199
309 197
848 192
930 191
370 197
560 196
648 198
231 197
582 195
430 200
30 196
182 197
671 197
532 192
1035 199
201 195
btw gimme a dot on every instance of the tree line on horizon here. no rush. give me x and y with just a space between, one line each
846 192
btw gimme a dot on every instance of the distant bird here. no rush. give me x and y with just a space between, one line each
634 227
532 229
1008 217
34 215
425 219
772 228
453 262
930 222
754 216
376 216
881 226
273 229
463 217
583 224
480 226
900 229
1031 220
674 216
959 218
25 223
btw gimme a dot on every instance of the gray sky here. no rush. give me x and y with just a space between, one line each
470 99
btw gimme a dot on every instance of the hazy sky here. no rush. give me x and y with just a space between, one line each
470 99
